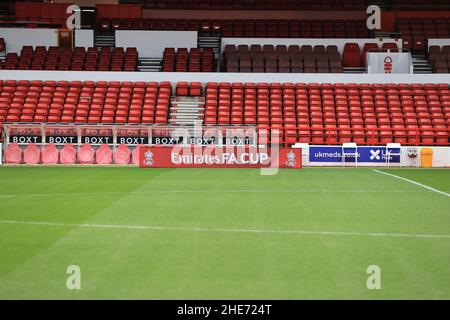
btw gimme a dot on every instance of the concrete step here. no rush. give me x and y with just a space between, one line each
152 65
209 44
354 70
187 104
148 69
149 60
104 41
385 34
180 106
146 64
188 98
104 44
187 110
212 42
185 122
186 116
209 40
421 65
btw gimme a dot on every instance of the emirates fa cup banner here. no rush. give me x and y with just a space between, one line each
219 157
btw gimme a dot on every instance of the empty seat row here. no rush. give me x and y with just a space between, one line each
193 89
296 29
335 113
416 32
439 58
182 60
248 28
68 154
256 5
78 59
314 113
295 58
421 4
281 58
352 55
84 102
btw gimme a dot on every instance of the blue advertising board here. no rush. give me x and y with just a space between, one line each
365 154
325 154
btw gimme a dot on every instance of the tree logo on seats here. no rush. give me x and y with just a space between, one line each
148 158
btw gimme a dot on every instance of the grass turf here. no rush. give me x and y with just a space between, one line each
189 264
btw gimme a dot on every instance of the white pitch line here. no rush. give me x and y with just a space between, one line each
229 230
6 196
413 182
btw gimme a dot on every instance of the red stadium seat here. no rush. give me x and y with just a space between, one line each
50 154
195 89
371 47
182 88
352 55
122 154
104 155
13 154
86 154
32 154
414 114
68 154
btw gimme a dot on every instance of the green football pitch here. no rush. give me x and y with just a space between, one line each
224 233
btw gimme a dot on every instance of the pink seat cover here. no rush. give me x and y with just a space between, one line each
104 154
13 154
32 154
86 154
50 154
68 155
135 155
122 154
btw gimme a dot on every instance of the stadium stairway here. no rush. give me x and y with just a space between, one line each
353 69
211 41
104 40
421 64
149 64
186 110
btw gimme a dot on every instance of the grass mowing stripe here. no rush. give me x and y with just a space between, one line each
6 196
231 230
413 182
